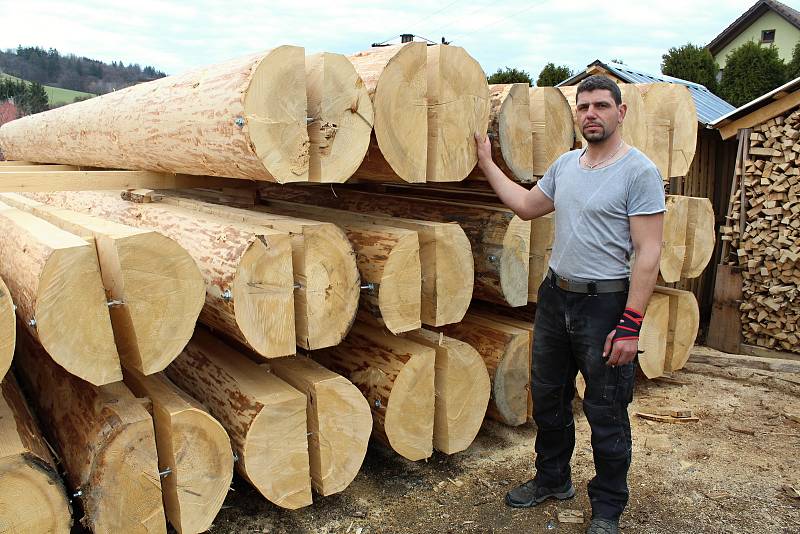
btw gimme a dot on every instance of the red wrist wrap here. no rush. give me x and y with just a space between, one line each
629 325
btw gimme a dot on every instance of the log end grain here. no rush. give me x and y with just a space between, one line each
458 107
634 127
653 336
340 105
275 108
514 132
674 103
399 294
163 292
700 236
515 262
450 290
8 329
263 296
511 382
553 127
410 411
330 291
32 497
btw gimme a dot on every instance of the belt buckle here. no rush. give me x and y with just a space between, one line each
592 289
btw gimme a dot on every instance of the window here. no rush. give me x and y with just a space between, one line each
767 36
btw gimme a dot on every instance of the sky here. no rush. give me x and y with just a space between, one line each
175 36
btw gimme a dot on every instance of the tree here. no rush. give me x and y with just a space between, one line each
510 75
793 68
693 63
37 98
751 71
552 75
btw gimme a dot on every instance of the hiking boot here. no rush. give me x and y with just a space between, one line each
603 526
530 494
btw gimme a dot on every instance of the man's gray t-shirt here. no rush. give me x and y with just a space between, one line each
592 231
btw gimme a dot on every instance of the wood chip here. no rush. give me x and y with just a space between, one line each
570 516
741 430
791 491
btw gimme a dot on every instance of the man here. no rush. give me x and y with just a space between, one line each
609 202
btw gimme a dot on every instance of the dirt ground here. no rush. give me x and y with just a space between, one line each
685 478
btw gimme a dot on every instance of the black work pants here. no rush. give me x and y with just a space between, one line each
569 334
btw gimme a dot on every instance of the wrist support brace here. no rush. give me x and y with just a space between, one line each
629 326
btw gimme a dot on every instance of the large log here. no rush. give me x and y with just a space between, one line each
339 421
342 114
245 118
324 267
542 235
156 286
54 279
8 329
458 107
444 251
553 131
32 495
265 417
500 241
510 131
247 268
462 387
653 336
387 257
700 236
396 376
674 103
396 79
104 438
193 450
506 351
673 248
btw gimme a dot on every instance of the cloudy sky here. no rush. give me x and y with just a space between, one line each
177 35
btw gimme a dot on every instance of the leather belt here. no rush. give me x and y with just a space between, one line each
589 288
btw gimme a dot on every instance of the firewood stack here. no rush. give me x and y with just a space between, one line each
764 230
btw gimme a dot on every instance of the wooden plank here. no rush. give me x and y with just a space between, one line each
39 181
761 363
753 350
760 115
725 329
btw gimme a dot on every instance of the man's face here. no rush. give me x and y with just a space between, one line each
598 114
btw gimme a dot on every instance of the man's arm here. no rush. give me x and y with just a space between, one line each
646 234
526 204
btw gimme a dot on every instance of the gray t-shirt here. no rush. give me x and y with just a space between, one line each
592 231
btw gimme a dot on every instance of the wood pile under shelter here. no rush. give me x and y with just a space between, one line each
188 298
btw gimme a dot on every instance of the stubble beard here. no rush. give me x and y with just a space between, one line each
597 137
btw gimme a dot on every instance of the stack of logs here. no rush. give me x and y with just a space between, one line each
765 229
328 315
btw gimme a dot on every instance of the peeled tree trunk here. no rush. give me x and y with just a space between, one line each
32 495
156 287
104 439
247 268
54 279
245 118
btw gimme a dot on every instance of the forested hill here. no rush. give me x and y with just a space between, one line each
49 67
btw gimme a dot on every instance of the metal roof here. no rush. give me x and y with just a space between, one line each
709 106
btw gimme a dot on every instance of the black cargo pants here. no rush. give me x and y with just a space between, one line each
570 330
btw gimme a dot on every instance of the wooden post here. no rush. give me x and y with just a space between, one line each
396 376
104 438
193 450
32 495
266 422
54 279
156 287
339 421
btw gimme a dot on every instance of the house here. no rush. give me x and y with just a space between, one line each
711 171
768 22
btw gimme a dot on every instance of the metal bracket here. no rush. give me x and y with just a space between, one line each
370 287
111 303
32 323
239 121
227 296
378 403
492 258
165 472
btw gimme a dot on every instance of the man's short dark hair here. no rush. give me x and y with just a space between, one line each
596 82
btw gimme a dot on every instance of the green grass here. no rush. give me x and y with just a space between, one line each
56 95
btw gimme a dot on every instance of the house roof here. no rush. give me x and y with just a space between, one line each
771 104
748 17
709 106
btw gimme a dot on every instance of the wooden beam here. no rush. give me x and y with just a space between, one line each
193 449
721 359
32 495
40 181
773 109
104 438
265 417
761 352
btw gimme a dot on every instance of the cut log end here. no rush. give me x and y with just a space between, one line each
8 329
275 114
343 117
263 296
553 129
410 410
33 496
399 294
513 126
447 295
515 262
511 382
653 336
